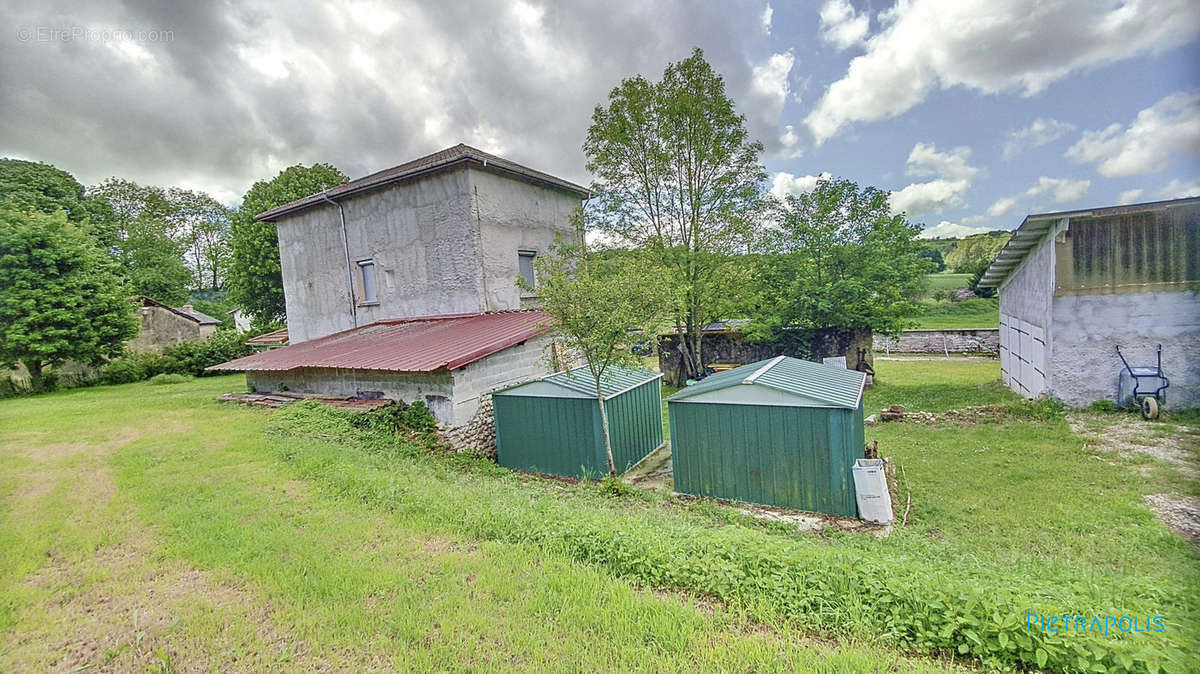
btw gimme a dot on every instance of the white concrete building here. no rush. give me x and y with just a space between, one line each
1075 285
402 284
444 234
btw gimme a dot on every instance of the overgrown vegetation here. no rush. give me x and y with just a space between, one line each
916 593
1009 517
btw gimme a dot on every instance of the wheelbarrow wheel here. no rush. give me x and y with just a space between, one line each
1149 408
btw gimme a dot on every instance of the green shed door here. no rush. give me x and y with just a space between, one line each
793 457
547 435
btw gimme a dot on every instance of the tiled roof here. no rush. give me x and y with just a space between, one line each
185 311
404 345
275 337
458 155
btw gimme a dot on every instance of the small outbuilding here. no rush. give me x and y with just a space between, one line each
552 425
782 432
1076 285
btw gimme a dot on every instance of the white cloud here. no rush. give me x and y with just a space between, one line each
769 88
842 25
1146 146
972 219
1178 189
1040 132
785 184
1002 206
953 178
1062 189
768 12
949 230
1130 196
992 46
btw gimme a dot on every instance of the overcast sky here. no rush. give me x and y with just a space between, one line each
972 112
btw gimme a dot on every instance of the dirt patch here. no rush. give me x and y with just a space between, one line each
1127 435
1181 513
440 545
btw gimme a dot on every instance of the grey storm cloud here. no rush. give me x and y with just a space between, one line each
215 95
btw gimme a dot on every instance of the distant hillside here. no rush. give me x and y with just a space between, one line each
965 255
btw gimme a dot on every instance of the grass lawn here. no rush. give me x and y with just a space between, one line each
948 281
152 527
976 312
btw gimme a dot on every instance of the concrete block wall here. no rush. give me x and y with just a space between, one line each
435 389
474 382
1087 328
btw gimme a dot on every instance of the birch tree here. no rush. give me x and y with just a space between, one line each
598 308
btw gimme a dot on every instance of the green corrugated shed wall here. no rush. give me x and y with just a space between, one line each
553 425
782 432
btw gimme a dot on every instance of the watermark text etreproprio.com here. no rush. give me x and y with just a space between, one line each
90 34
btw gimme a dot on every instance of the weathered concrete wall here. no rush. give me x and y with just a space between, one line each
436 389
1025 322
1087 328
443 244
160 328
514 215
940 341
421 236
733 347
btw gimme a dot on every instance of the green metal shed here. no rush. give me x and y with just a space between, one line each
783 432
552 425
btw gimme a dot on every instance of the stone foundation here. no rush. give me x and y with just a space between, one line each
477 436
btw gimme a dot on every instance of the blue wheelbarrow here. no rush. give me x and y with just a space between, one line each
1145 385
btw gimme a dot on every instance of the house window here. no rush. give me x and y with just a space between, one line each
366 270
525 260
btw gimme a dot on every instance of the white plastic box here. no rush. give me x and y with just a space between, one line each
871 491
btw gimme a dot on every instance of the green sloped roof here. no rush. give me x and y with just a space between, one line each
615 380
831 386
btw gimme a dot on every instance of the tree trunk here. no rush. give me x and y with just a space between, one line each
36 382
612 465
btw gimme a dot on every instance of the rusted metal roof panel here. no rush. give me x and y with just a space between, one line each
1035 226
404 345
274 338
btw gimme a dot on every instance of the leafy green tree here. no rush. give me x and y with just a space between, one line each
596 304
678 176
148 247
839 257
255 277
28 185
202 227
60 297
935 256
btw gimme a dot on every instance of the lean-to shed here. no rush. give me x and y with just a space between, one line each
782 432
552 425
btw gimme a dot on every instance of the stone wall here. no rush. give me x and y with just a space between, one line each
985 342
731 346
160 328
477 436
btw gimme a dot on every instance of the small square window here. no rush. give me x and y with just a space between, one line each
366 269
525 260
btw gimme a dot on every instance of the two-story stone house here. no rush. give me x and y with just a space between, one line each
403 283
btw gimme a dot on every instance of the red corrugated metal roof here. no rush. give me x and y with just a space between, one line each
404 345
